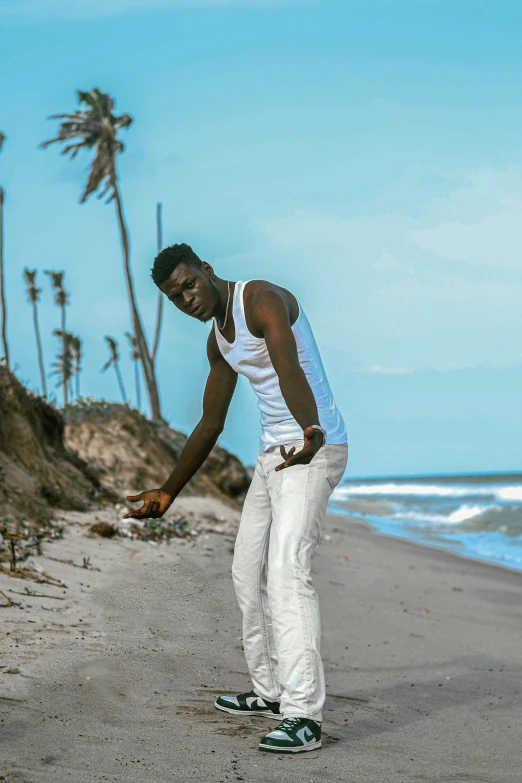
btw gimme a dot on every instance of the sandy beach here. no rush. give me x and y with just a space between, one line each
113 677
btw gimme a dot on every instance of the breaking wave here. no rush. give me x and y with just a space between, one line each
478 515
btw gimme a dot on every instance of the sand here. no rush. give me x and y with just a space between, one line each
422 653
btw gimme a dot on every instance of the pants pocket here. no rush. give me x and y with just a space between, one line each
336 462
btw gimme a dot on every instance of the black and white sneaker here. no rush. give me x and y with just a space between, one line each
293 735
248 704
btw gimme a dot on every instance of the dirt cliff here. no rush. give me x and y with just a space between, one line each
129 453
94 453
37 471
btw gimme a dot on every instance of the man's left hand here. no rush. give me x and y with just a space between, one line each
313 440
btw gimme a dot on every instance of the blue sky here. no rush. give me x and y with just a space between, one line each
366 155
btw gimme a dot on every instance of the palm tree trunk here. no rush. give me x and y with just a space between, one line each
146 361
120 381
65 382
3 304
77 383
160 299
39 347
137 380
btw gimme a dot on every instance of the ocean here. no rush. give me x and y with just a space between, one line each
477 515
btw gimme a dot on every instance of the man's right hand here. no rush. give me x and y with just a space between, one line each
155 503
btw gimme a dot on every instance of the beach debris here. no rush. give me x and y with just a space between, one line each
158 530
37 595
20 538
6 602
36 576
103 529
85 564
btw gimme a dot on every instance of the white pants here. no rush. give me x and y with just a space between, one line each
281 524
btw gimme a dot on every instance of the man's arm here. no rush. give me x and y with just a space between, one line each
270 313
221 383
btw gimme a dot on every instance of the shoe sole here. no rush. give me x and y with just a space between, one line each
300 749
263 714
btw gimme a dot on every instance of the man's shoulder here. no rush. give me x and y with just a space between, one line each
265 296
255 287
258 292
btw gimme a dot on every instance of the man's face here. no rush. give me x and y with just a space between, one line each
192 291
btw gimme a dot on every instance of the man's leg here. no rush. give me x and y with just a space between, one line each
249 574
299 496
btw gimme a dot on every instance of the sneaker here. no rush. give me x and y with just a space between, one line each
248 704
293 735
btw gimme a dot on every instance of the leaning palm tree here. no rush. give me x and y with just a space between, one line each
61 298
33 292
64 365
76 348
96 127
135 358
114 359
3 304
160 297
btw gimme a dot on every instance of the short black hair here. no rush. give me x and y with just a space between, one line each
168 259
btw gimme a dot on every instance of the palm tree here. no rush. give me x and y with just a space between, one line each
33 292
76 347
160 298
3 304
135 358
63 365
115 358
61 299
96 127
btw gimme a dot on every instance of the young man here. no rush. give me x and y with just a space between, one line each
261 331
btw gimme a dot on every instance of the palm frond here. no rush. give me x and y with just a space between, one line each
113 347
94 127
101 168
76 343
135 354
56 278
33 292
62 297
30 276
64 360
76 348
2 139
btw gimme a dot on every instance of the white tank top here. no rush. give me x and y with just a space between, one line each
248 355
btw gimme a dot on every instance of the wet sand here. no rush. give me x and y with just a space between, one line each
422 651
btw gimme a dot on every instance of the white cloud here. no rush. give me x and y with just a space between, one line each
436 289
478 223
42 10
378 370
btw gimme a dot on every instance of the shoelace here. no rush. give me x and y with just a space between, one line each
289 723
